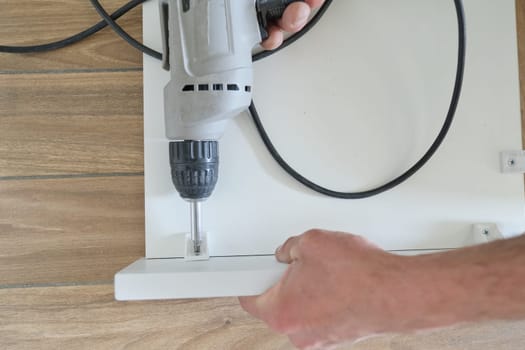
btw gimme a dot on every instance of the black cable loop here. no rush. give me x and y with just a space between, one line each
416 167
122 33
110 20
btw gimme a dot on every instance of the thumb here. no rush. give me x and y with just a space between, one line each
288 252
262 306
249 304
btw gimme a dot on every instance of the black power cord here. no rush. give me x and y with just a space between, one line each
458 84
74 38
122 33
110 20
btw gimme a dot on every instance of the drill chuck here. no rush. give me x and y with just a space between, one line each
194 168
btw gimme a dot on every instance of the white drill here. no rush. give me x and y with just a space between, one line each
208 50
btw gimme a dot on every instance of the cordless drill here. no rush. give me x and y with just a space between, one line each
207 48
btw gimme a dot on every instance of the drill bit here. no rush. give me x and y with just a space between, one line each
195 214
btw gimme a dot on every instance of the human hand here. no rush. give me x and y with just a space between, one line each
338 288
294 19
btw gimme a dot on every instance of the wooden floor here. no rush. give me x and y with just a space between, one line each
71 203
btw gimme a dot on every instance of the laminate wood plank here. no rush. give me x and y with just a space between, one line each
52 124
87 317
69 230
29 22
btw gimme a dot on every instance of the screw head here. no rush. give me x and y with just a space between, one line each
511 162
486 232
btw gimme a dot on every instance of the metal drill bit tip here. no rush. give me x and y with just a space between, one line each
195 216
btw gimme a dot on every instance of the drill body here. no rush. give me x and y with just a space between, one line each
207 48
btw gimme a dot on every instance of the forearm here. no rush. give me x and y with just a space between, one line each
473 284
339 287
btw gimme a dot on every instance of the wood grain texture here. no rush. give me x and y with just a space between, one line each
69 230
53 124
29 22
87 317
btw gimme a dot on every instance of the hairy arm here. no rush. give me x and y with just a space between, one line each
475 284
340 288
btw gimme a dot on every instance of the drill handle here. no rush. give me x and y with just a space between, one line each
270 11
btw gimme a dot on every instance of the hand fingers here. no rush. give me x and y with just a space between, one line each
261 306
316 338
295 17
288 252
249 304
309 340
315 3
275 38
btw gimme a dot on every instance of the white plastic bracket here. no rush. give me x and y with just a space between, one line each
189 252
512 162
487 232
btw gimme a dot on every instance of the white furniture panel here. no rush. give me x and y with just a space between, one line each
353 104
